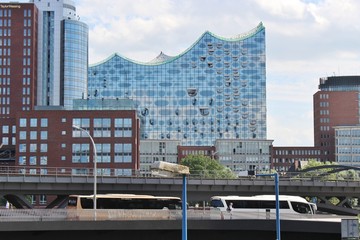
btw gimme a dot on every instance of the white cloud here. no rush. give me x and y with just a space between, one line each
306 40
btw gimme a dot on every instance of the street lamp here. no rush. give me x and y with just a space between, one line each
276 201
165 169
95 167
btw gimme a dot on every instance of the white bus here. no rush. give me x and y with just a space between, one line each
262 203
123 201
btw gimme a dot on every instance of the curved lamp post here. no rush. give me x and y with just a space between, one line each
165 169
95 167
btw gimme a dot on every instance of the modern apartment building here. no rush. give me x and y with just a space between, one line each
335 104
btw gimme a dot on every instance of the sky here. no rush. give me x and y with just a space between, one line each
305 40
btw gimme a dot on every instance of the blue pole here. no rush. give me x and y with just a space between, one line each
184 210
276 202
277 206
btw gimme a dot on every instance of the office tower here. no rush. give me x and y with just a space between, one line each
335 104
216 89
18 64
63 54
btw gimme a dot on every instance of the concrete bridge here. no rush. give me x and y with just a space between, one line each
13 186
202 224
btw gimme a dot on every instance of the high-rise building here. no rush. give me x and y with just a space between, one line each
335 104
18 67
43 60
63 54
216 89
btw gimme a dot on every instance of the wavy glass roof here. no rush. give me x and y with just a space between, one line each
163 58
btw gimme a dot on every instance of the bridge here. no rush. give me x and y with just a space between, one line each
136 224
13 187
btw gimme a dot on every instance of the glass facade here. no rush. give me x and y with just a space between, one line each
75 60
216 89
347 144
47 68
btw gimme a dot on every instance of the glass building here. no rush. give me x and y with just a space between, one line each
63 54
347 145
216 89
75 61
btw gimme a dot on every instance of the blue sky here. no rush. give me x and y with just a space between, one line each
305 40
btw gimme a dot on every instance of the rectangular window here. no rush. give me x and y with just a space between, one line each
33 147
44 122
22 160
5 129
43 147
44 135
22 122
33 122
32 160
80 153
22 147
123 152
33 135
43 160
22 135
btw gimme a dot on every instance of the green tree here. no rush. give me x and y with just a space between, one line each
320 174
207 167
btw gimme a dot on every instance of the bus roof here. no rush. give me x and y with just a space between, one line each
125 196
262 197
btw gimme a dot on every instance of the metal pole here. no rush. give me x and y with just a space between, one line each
277 206
184 210
95 167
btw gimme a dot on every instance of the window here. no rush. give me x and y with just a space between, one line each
33 135
32 160
103 152
22 122
123 152
33 122
22 160
22 147
33 147
43 147
80 153
5 129
43 160
102 127
22 135
44 122
44 135
5 140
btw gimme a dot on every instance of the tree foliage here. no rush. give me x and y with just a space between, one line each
206 167
321 174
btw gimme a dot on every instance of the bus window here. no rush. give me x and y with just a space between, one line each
72 202
216 203
301 207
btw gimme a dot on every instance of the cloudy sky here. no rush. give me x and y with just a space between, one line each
305 40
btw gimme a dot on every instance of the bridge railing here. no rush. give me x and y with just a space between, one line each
28 171
41 215
20 215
